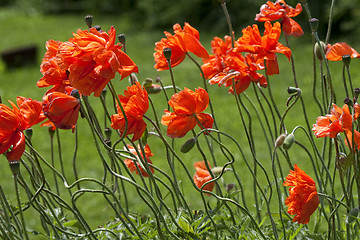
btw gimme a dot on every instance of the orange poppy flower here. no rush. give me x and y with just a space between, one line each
135 103
226 66
338 50
188 107
183 41
280 10
92 59
61 109
339 120
202 176
12 124
131 164
303 199
53 74
265 47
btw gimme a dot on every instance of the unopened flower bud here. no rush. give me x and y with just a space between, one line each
157 79
188 145
122 38
280 140
29 133
133 79
318 50
230 186
75 93
167 53
89 20
348 102
217 170
147 83
346 60
15 167
352 215
314 23
153 89
288 142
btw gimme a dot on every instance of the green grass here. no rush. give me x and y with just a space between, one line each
18 30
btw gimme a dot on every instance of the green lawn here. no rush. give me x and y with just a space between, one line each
18 30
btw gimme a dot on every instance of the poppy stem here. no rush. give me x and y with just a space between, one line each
22 219
228 21
344 81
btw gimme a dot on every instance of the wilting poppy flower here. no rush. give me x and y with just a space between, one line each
280 10
61 109
92 59
303 199
264 47
188 107
202 176
339 120
226 66
183 41
131 163
338 50
135 103
12 124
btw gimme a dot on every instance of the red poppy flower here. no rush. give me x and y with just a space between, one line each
303 199
135 103
131 164
226 66
53 74
338 50
339 120
280 10
92 59
265 47
202 176
61 109
12 124
183 41
188 107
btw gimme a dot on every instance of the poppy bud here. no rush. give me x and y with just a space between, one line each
147 83
346 60
122 38
280 140
29 133
157 79
133 79
167 53
15 167
318 51
75 93
348 102
188 145
314 23
217 170
352 216
292 90
89 20
230 186
288 142
153 89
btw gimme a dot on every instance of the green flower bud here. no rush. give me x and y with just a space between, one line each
153 89
147 83
288 142
188 145
318 50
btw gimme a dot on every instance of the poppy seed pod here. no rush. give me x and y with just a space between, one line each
317 50
346 60
89 20
122 38
230 186
29 133
348 102
15 167
314 23
356 92
167 53
288 142
188 145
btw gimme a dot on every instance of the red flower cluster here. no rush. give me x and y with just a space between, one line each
188 107
13 122
339 120
280 10
87 62
303 199
135 103
131 164
202 176
183 41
